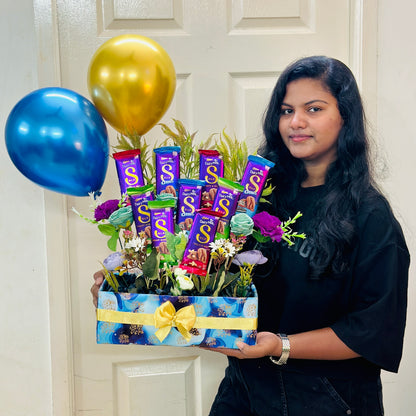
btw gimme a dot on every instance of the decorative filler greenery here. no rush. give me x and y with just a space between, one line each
136 141
233 151
189 164
234 154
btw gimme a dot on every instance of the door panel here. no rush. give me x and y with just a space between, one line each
227 55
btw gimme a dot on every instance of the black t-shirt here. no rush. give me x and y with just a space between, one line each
365 306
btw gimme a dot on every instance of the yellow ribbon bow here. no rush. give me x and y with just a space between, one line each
165 317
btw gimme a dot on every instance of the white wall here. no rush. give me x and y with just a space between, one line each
24 318
397 132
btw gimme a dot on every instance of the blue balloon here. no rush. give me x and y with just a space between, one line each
57 139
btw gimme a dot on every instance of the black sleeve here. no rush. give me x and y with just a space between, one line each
374 326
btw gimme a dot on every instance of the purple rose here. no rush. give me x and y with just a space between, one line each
104 210
268 225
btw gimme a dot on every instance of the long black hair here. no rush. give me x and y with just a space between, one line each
348 178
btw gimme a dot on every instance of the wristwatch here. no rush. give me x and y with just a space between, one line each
285 351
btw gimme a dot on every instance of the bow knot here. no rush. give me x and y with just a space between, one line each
166 317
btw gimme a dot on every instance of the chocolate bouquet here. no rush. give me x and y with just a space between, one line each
181 276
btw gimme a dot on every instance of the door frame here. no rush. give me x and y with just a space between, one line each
362 61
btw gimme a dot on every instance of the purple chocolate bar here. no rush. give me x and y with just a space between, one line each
161 217
189 201
211 167
129 169
197 252
167 169
254 179
139 198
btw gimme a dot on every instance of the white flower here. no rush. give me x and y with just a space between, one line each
136 243
184 282
178 272
229 249
215 245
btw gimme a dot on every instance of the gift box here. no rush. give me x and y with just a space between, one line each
149 319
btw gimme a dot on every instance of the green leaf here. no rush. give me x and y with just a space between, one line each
112 242
107 229
197 282
235 154
139 285
211 281
171 241
268 190
111 279
205 281
180 247
221 281
260 237
180 127
230 278
151 265
264 201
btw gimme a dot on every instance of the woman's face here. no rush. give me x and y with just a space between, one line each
310 122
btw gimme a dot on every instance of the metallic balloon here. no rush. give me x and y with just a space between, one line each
132 81
57 139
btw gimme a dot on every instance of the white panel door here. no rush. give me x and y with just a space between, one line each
227 55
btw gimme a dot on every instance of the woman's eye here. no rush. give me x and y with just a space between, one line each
314 109
286 111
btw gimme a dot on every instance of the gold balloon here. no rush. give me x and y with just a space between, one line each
132 81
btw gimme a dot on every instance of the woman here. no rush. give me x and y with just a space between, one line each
341 294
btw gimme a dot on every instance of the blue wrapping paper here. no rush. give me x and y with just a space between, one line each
205 306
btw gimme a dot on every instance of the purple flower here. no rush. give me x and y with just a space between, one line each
113 260
252 257
268 225
104 210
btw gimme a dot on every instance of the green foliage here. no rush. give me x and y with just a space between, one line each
267 191
106 229
189 150
135 141
288 234
233 151
205 281
176 245
111 279
151 265
234 154
221 281
112 242
260 237
180 247
113 232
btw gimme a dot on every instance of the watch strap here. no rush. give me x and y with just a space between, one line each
285 351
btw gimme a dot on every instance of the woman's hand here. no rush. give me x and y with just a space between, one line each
98 281
267 344
319 344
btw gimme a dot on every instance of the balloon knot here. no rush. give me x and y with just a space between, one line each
96 194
